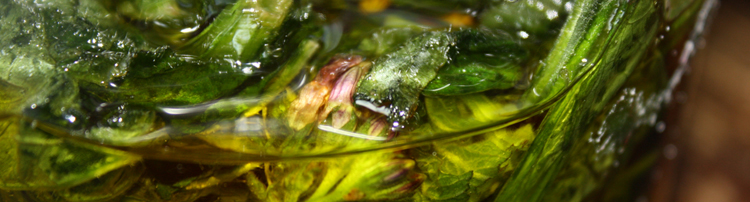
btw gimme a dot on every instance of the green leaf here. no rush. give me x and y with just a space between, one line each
217 177
285 181
393 85
233 108
447 187
36 160
104 188
608 141
240 31
148 190
166 21
472 78
65 113
387 40
9 93
465 112
126 125
580 44
188 82
481 60
26 68
540 20
470 167
442 5
374 176
568 120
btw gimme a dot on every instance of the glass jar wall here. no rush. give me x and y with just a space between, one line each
371 100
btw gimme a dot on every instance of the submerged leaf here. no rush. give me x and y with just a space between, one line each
470 169
539 20
36 159
104 188
442 5
167 21
396 79
466 112
240 31
481 60
387 40
570 118
368 177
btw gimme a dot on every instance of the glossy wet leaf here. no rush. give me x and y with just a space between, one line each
540 20
470 168
188 82
387 40
624 122
221 176
472 78
585 101
171 22
481 60
375 176
442 5
396 79
289 181
148 190
125 125
580 44
37 160
107 187
466 112
446 187
234 108
25 65
220 76
240 31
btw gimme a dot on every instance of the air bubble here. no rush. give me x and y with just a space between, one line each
660 127
523 34
670 151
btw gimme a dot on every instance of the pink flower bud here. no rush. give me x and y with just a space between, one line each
313 96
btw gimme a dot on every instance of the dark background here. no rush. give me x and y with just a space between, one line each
711 135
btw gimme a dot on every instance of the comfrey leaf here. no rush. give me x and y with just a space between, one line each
167 21
387 39
469 169
240 31
291 181
26 64
396 79
465 112
628 42
365 177
446 187
442 5
539 20
104 188
623 123
439 63
481 60
368 177
34 159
